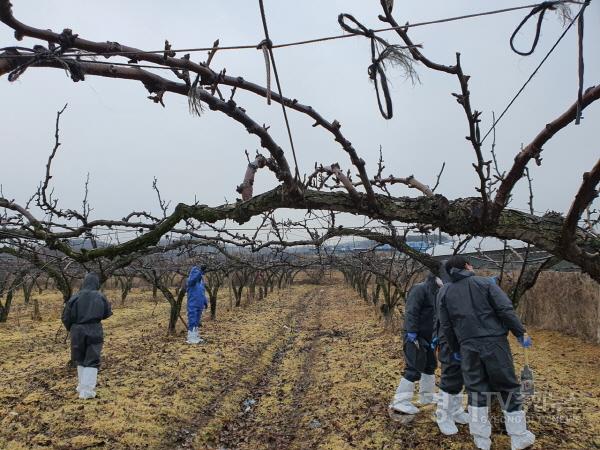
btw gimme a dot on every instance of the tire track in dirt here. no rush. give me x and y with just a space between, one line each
284 423
207 422
290 421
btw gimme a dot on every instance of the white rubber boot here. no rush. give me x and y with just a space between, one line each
480 427
89 378
79 373
193 336
443 414
516 427
426 389
457 409
402 399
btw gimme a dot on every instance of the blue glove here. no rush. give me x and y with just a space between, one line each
456 357
411 337
525 341
434 343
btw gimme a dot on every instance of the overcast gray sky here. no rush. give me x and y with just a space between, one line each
112 131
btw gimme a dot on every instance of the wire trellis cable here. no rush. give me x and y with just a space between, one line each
533 74
307 41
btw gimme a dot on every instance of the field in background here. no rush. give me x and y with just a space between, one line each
307 367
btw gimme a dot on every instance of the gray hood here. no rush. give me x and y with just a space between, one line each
91 282
458 274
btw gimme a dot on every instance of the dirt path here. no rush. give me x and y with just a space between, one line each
281 387
229 411
309 367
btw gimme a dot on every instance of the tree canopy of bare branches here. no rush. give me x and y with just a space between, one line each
332 187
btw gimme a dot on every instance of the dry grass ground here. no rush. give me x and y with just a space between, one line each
308 367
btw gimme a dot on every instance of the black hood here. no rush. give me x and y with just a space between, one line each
91 282
458 274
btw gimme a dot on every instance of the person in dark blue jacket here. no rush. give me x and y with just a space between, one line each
419 357
196 303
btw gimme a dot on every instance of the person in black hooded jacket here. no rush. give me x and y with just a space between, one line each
419 319
81 316
475 316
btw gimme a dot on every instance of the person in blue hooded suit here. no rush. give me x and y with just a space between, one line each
196 303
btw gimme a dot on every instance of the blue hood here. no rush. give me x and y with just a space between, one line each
195 289
194 277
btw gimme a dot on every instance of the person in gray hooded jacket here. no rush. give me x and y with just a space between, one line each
81 316
418 328
450 410
475 317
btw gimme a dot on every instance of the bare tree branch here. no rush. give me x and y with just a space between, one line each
534 148
584 197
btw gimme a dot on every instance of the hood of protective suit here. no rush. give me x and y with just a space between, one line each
431 281
459 274
194 277
195 290
443 274
91 282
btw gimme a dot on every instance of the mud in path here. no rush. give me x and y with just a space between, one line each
310 367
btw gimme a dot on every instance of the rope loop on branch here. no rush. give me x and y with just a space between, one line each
541 10
376 69
266 45
360 28
580 62
377 75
